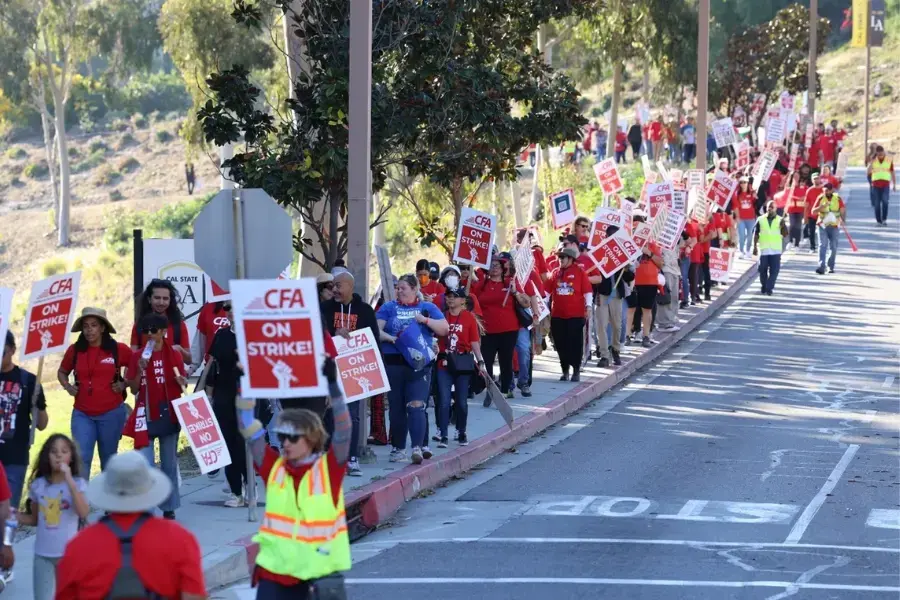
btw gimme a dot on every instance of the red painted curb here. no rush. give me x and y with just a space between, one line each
377 502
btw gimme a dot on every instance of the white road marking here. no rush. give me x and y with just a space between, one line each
613 581
884 518
888 382
775 456
625 541
818 500
807 576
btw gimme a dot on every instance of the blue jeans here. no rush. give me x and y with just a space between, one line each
880 199
15 477
620 157
689 152
407 387
745 235
828 236
685 264
523 349
769 266
103 431
460 385
168 460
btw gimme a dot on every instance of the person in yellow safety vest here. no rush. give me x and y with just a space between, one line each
768 242
303 540
832 212
881 179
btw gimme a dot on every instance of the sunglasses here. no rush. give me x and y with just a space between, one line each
150 330
284 437
327 286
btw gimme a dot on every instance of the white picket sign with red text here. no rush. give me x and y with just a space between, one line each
50 314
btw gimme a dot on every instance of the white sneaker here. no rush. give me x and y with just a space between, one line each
235 501
353 468
669 328
417 456
397 455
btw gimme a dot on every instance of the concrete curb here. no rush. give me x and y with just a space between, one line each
372 505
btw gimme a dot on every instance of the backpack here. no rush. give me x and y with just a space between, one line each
127 583
116 378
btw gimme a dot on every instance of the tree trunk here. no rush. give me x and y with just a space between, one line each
614 110
645 88
51 160
63 146
456 193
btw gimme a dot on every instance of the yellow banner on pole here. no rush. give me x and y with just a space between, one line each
860 37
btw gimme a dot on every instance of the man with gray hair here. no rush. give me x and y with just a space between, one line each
344 313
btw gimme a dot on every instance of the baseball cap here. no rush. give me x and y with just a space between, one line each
570 252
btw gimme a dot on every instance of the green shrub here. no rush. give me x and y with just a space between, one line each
126 141
107 176
54 266
16 153
120 225
140 121
107 261
119 125
155 92
91 162
163 137
97 146
116 196
176 221
73 152
36 170
128 165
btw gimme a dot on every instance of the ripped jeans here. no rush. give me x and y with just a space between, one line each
406 402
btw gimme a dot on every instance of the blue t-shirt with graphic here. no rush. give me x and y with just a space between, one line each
398 317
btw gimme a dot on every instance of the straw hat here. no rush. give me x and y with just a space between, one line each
97 313
128 485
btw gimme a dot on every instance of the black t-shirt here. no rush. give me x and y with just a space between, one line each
16 391
224 375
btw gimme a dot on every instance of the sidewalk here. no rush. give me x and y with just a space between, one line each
225 534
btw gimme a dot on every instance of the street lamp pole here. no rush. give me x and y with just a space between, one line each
702 83
813 47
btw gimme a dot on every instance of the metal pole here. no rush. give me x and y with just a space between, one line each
240 270
359 161
702 83
866 113
813 47
138 237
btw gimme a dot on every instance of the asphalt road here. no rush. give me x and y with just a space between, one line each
758 460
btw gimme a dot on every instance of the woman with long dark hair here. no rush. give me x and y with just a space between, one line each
98 387
160 297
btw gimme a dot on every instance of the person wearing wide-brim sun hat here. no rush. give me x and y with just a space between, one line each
97 361
130 553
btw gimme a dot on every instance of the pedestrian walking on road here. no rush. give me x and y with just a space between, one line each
745 203
768 241
812 203
882 178
129 553
56 503
832 213
572 298
303 541
98 362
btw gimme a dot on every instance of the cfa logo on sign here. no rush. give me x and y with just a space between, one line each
481 221
61 287
281 299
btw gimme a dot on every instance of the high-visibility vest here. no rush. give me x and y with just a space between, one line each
770 233
303 535
834 207
881 170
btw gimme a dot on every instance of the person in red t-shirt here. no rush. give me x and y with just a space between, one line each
621 146
776 179
814 153
211 319
497 295
571 297
429 287
153 417
811 215
724 225
7 556
463 340
796 209
829 177
828 144
646 286
655 132
99 412
699 235
745 211
160 297
165 556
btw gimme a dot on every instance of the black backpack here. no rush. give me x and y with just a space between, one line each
127 583
116 379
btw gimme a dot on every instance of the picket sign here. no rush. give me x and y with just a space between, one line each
562 208
607 173
626 207
604 217
50 314
808 134
742 152
197 419
663 171
659 222
648 169
721 188
763 169
701 209
641 235
475 238
614 253
720 260
659 195
677 176
359 364
671 232
776 131
696 178
679 201
524 261
723 131
6 298
279 337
